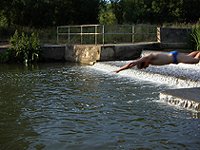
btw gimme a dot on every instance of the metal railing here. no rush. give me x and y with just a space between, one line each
105 34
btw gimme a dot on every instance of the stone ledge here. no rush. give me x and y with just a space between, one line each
188 98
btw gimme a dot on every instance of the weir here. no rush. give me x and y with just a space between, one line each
181 78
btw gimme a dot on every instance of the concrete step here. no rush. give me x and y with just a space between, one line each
188 98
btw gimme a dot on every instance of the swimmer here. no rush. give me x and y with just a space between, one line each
159 59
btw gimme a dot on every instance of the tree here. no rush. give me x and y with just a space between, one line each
117 8
190 11
156 11
106 15
43 13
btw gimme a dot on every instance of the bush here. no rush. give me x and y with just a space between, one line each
25 48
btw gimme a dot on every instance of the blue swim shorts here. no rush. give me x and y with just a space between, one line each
174 54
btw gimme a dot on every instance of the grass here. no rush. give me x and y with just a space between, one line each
196 36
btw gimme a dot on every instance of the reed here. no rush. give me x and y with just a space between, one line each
196 36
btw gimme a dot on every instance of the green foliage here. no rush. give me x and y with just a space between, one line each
196 36
46 13
156 11
107 17
25 48
3 20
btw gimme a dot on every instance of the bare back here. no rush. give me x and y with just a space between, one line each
161 59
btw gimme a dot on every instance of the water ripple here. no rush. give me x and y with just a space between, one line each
70 106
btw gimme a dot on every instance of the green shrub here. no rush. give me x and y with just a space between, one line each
26 48
196 36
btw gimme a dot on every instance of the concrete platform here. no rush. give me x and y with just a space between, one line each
188 98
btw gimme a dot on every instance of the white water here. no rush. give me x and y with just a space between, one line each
175 76
178 76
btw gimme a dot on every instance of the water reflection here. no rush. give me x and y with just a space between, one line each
14 128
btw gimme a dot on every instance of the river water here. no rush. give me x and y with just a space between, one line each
67 106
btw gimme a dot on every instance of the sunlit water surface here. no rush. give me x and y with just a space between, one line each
65 106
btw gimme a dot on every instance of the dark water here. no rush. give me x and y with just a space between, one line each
63 106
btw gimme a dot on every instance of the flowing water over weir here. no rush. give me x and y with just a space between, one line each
176 76
67 106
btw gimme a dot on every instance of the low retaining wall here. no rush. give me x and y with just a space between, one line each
71 53
125 52
53 52
89 54
185 97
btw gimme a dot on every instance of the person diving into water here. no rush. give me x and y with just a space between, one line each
159 59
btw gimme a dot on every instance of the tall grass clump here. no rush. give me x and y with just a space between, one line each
196 36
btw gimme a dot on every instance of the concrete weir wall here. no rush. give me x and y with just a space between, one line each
89 54
86 54
71 53
125 51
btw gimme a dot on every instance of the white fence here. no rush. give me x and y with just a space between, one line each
105 34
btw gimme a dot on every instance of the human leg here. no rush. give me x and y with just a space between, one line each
188 59
197 55
193 54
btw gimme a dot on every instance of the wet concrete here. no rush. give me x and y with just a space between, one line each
188 98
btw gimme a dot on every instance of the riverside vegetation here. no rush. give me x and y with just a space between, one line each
24 49
196 36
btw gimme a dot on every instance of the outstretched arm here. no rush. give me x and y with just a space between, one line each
142 62
127 66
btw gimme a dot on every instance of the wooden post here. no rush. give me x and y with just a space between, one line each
158 35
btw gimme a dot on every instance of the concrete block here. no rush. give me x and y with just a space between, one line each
188 98
53 52
86 54
107 53
127 52
70 53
